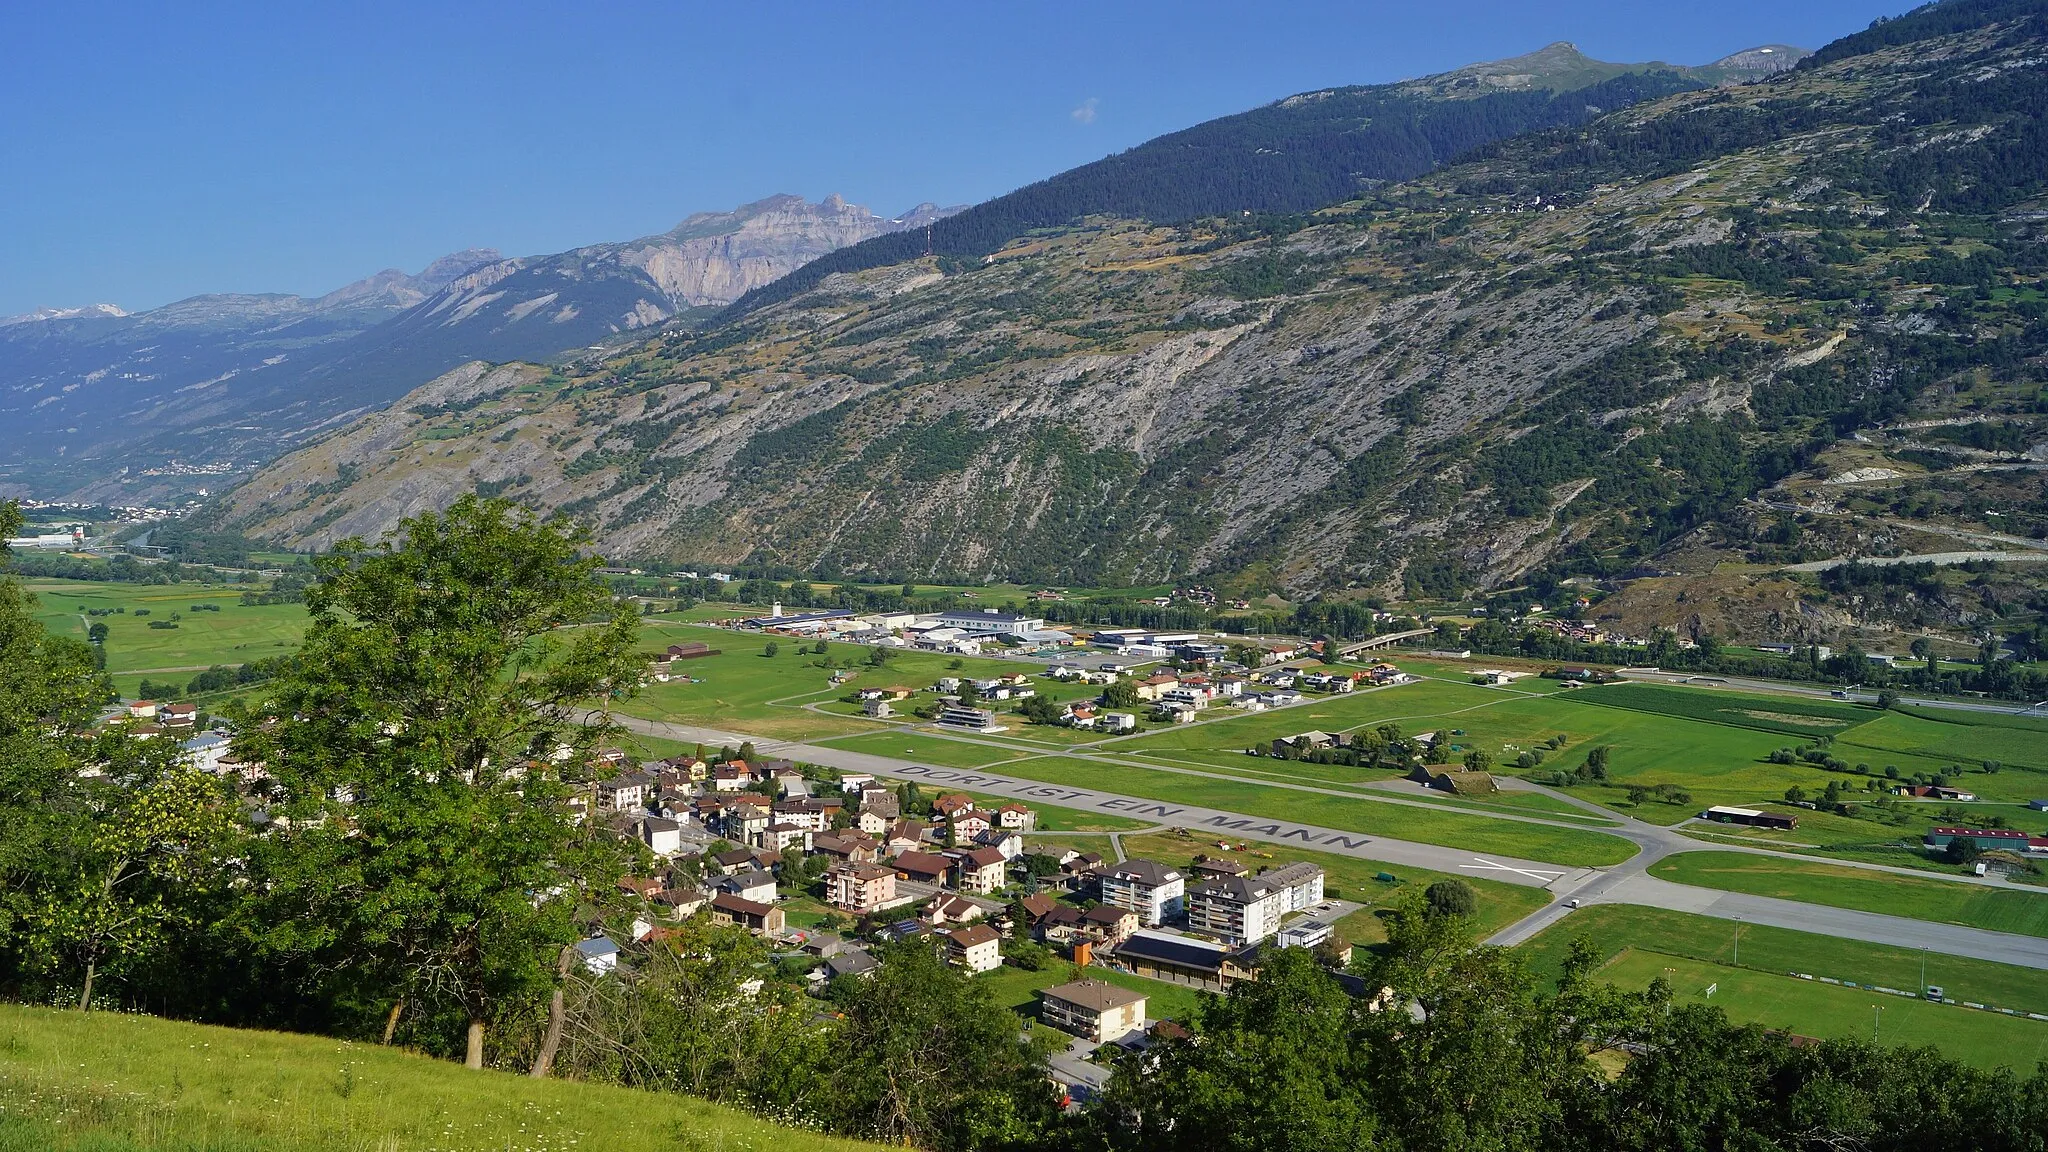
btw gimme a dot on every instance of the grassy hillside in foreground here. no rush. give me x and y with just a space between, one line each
115 1083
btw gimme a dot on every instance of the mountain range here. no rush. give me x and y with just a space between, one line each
91 398
1764 323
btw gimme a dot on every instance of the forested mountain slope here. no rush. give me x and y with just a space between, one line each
1587 349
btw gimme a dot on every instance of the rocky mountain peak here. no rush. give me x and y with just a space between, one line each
111 311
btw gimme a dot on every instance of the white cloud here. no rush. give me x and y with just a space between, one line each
1085 114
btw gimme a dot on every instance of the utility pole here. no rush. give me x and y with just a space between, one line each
1738 946
1874 1018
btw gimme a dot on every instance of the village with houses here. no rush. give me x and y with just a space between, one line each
744 842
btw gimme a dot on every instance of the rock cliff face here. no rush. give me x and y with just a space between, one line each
1578 351
91 397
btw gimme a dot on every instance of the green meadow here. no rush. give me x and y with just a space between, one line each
1017 989
1611 928
236 634
1811 1008
745 690
1922 898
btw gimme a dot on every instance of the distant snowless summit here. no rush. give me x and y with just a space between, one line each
88 393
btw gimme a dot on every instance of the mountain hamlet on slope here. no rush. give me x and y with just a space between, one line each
1581 350
90 398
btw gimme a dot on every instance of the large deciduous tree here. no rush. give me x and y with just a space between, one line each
152 834
49 691
426 746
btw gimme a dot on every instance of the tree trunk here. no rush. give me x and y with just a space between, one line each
476 1044
391 1021
85 997
544 1061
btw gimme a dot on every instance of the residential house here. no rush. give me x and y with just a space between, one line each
849 846
757 886
979 869
951 802
728 909
923 867
782 835
809 815
1294 746
977 948
1300 884
1093 1010
859 887
1117 722
904 836
663 837
142 710
623 793
1112 924
745 819
1218 868
964 825
877 709
1010 844
855 962
951 908
1017 817
1236 909
732 777
679 903
206 751
737 861
1153 687
1036 905
1059 925
598 954
1151 889
178 715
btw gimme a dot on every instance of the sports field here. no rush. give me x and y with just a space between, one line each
1997 909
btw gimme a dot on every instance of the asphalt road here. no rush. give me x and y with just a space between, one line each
1710 681
1940 939
1626 883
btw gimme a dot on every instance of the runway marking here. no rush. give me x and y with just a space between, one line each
1531 873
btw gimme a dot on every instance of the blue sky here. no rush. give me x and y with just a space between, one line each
151 152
